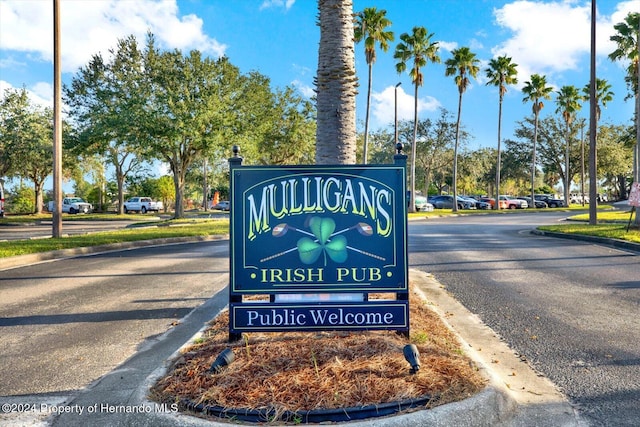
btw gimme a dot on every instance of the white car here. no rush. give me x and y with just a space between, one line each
72 205
513 203
422 205
142 205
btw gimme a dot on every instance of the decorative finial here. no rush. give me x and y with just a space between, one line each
399 147
236 150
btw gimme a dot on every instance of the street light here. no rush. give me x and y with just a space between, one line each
396 112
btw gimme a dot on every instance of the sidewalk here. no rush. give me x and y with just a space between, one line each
516 396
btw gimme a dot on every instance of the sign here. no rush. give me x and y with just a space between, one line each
634 196
318 240
309 317
318 229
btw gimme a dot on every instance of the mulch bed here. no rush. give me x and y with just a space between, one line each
297 372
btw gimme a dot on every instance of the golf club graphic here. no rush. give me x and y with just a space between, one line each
322 240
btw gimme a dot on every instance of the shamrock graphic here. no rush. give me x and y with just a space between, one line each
322 240
336 246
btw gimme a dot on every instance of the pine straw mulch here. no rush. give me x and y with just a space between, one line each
299 372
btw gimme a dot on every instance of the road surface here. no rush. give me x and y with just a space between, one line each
570 308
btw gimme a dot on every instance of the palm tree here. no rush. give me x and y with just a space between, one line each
603 95
418 47
501 72
371 26
628 40
463 64
569 103
535 91
336 84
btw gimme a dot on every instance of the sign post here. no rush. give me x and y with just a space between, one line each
318 240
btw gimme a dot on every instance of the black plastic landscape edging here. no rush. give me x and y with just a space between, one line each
314 416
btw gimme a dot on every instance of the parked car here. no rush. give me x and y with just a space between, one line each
421 202
479 203
72 205
492 202
578 198
423 205
539 203
446 202
222 206
550 200
142 205
513 203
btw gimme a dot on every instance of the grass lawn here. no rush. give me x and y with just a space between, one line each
611 223
159 229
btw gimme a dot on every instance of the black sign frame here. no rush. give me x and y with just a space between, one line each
325 230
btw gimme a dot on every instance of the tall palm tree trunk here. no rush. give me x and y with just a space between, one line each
412 197
533 161
336 84
455 156
636 153
366 120
567 181
499 162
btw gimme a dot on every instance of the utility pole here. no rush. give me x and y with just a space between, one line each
396 114
57 125
593 124
636 153
205 186
582 161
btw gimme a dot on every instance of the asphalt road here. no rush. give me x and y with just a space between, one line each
570 308
66 323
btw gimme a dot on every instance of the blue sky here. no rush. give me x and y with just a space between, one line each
279 38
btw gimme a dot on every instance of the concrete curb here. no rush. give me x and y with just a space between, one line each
614 243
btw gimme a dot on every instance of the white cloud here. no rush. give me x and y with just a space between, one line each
89 27
40 94
306 90
383 105
266 4
547 36
475 45
447 46
552 37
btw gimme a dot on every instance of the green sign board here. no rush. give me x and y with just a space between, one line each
301 229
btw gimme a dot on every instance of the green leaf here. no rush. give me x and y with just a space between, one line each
309 250
322 228
337 249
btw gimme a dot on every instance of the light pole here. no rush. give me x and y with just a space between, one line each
396 113
56 224
582 122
